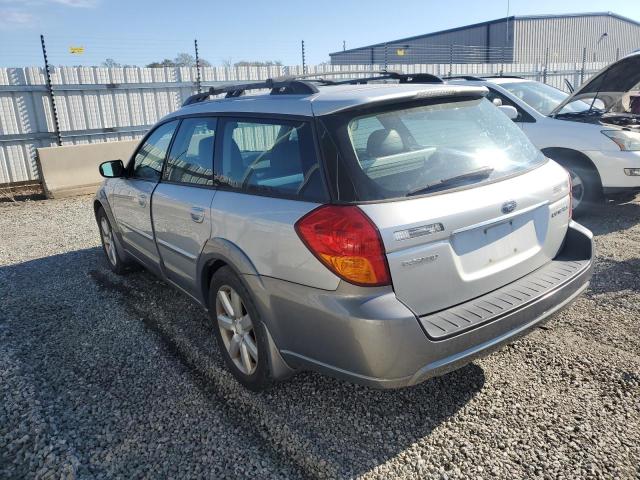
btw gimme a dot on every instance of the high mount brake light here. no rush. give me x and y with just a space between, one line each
345 240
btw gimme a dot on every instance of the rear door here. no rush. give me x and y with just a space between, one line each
182 200
131 197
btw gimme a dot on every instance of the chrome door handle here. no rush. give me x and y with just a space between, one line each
197 214
142 199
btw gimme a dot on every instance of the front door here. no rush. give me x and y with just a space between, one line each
131 198
182 201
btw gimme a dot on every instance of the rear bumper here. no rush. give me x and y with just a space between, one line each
376 340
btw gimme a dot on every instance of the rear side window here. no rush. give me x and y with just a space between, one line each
270 157
191 158
147 164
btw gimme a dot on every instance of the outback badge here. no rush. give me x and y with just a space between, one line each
509 206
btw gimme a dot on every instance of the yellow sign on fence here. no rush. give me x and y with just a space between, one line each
76 50
400 52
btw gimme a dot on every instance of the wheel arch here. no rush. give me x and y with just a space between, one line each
564 156
218 253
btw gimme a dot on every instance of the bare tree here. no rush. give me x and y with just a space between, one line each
258 63
110 62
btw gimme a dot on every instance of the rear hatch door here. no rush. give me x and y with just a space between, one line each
451 247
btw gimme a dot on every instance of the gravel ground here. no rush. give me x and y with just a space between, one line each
107 376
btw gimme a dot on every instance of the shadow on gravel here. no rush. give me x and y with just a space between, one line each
327 427
614 276
611 215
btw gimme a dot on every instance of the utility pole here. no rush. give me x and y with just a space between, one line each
344 45
304 61
198 84
386 53
52 102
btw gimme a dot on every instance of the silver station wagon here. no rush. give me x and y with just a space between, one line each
381 233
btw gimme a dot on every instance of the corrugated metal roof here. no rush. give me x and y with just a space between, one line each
489 22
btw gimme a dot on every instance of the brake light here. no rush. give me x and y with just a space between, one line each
570 195
347 242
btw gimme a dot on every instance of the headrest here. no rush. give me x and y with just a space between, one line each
383 142
205 148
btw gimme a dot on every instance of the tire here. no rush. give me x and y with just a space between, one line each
586 189
109 246
241 335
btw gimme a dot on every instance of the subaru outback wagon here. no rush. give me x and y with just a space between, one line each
380 233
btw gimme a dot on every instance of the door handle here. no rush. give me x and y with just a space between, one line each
142 199
197 214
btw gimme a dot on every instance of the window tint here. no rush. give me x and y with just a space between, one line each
147 163
270 157
425 148
191 156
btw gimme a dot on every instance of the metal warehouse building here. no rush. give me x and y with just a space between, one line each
601 37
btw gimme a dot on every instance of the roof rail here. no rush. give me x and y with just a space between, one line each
505 76
279 85
464 77
391 75
304 84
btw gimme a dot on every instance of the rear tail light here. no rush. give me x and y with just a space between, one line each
570 195
347 242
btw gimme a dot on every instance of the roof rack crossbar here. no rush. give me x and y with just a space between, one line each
304 84
279 85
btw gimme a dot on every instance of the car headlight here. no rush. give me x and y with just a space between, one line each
626 140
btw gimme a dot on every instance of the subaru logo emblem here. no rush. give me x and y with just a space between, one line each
509 206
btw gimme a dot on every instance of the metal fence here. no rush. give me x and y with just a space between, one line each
98 104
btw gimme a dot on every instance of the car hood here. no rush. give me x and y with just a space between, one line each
616 86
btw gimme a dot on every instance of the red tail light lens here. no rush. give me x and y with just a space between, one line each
347 242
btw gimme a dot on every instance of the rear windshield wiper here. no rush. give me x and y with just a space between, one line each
479 173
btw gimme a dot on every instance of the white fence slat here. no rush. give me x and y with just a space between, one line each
133 97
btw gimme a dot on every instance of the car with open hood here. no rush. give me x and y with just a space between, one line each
594 132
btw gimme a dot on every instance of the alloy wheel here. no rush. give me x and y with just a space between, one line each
236 329
577 190
107 241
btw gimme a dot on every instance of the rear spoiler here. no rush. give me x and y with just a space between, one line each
455 92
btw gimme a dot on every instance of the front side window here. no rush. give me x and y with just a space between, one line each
147 164
425 149
544 98
499 99
271 157
191 158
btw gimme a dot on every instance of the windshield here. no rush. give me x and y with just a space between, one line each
544 98
413 151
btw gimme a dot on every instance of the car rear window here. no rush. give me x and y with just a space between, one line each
404 151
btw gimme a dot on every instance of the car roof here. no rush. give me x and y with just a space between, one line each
328 99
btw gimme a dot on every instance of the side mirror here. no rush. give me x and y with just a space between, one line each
112 169
509 111
497 102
